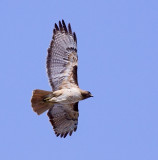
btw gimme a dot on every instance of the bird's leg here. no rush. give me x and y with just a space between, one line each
47 97
52 97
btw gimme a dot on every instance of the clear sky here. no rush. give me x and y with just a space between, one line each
118 63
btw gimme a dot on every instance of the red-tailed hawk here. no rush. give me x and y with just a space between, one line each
62 101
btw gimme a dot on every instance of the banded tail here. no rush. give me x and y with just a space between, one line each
38 102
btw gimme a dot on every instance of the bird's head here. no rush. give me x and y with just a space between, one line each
86 94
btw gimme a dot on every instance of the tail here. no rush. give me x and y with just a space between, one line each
39 105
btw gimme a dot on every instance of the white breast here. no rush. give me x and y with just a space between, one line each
72 95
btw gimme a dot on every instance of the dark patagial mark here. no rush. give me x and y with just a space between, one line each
74 71
75 107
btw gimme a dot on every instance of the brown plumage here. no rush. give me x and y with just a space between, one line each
62 102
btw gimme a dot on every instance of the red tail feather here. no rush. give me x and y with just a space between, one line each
38 103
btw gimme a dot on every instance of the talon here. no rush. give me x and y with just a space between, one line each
46 99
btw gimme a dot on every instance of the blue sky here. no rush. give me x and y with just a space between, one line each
118 63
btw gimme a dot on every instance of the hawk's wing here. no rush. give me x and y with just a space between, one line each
62 58
64 118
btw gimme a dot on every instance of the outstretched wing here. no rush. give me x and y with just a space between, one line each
62 58
64 118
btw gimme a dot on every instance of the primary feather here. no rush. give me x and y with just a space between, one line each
62 57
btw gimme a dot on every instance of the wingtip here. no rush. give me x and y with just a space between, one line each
63 22
64 26
65 134
54 31
60 25
56 27
69 28
70 133
74 35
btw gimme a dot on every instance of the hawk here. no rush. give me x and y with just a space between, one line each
62 101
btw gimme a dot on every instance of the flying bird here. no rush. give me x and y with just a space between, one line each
62 101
